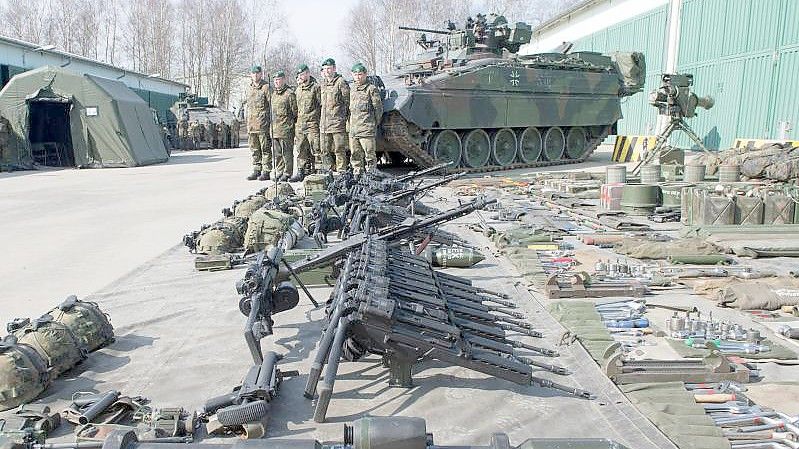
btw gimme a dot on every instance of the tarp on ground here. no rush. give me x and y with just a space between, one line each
110 126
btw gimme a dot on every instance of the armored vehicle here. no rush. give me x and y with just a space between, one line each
471 99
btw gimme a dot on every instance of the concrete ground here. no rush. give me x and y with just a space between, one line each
75 231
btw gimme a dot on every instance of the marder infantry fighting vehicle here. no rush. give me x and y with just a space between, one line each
470 99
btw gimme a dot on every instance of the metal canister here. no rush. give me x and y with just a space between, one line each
640 199
729 173
650 174
672 193
616 174
694 173
748 210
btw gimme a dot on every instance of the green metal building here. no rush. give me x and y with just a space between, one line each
743 53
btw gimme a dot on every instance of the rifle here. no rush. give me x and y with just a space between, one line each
394 304
391 235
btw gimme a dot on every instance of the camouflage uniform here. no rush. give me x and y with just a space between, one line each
235 128
183 133
258 126
5 139
306 141
224 133
194 134
335 96
213 130
284 115
366 110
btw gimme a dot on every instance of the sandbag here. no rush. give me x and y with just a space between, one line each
23 373
279 190
54 342
86 321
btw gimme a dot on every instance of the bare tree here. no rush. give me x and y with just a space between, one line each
149 32
228 56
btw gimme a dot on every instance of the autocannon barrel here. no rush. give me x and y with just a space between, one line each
424 30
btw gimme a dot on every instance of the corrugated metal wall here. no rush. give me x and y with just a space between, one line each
744 53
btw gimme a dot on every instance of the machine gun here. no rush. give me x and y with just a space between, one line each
391 235
394 305
266 291
247 406
395 432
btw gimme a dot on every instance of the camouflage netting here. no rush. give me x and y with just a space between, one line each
776 161
674 411
521 236
648 249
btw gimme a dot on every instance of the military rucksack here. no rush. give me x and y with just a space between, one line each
265 228
86 321
54 342
245 208
225 236
316 184
279 190
23 373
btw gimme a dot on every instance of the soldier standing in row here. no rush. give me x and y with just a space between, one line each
183 133
194 134
258 125
284 115
213 130
224 132
366 110
335 96
5 139
235 128
309 106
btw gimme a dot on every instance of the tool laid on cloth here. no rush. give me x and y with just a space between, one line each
29 421
103 408
168 422
374 432
393 304
790 332
580 285
693 326
713 368
246 408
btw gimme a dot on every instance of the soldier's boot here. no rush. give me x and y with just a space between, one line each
299 176
264 176
254 175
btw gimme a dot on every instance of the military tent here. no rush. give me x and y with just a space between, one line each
66 119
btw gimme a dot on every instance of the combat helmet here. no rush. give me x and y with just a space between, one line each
86 321
54 342
225 236
23 373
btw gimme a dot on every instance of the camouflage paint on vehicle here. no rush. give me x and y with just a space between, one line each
470 99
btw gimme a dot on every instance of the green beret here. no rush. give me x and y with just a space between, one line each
280 74
301 68
358 67
255 69
328 61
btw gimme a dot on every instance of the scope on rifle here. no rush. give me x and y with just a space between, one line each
674 97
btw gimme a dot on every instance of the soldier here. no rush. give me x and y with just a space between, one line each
335 95
258 125
183 133
194 132
366 110
5 139
284 115
309 107
235 129
224 133
213 131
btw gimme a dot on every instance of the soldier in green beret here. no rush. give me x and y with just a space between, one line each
335 95
366 110
309 107
284 115
258 125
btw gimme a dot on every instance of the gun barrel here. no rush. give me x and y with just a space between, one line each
418 173
424 30
95 409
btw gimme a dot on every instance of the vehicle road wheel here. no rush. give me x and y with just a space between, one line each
503 147
446 147
476 148
530 145
554 144
576 143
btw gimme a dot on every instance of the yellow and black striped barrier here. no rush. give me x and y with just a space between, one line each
629 148
753 144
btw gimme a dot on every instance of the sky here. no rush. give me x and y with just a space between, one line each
316 24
